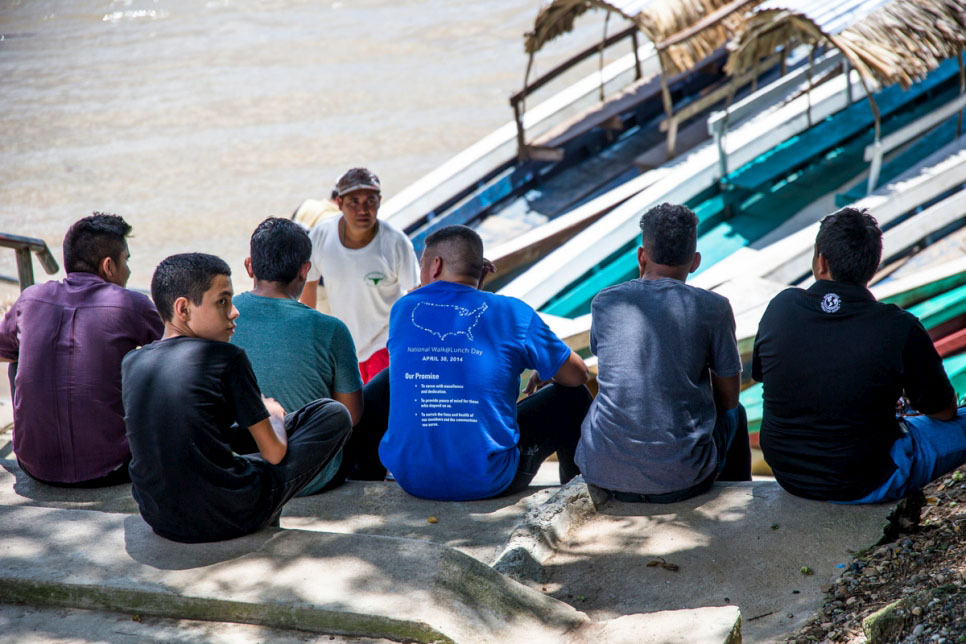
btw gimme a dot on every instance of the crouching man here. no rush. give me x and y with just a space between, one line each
455 430
834 362
191 402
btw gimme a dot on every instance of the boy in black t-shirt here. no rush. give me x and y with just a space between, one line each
834 362
191 403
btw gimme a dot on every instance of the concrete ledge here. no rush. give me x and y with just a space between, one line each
713 625
747 544
535 540
359 585
477 528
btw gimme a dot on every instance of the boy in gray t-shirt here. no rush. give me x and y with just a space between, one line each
666 422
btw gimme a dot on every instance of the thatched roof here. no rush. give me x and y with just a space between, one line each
899 42
557 17
686 31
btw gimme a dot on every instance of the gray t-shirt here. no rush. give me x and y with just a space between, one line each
649 429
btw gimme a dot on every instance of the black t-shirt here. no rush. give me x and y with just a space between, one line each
181 397
834 362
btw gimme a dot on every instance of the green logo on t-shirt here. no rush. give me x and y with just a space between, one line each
375 277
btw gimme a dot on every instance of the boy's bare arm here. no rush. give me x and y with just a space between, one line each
948 413
352 401
725 391
572 373
269 434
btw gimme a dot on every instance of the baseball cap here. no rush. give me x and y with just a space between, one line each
357 179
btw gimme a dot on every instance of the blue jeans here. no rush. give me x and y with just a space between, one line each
730 435
926 450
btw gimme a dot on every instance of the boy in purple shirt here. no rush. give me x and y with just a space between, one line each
69 338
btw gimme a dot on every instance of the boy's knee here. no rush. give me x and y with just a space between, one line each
328 412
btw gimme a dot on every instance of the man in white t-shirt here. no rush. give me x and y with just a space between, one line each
366 264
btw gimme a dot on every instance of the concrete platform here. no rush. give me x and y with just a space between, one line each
479 529
740 547
357 585
742 544
21 624
351 585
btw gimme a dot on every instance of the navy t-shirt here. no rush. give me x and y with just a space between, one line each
456 355
181 397
834 362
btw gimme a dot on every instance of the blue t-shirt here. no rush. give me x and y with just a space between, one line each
298 354
456 355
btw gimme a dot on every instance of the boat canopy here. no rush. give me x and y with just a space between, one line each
684 33
897 41
886 41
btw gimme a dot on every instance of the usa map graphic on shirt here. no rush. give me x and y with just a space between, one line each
443 320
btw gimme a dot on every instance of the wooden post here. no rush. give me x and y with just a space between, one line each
637 58
600 65
668 106
519 111
876 160
808 92
847 69
721 135
521 138
962 89
25 268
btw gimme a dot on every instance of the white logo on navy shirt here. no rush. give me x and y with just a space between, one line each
831 303
443 320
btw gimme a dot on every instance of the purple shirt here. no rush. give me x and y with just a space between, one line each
69 338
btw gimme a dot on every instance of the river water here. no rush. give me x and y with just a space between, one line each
195 120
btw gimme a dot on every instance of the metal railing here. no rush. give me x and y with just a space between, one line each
23 246
517 101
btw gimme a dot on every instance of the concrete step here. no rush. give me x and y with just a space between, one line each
752 545
21 624
479 529
350 585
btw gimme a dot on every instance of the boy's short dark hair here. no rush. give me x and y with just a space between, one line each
460 247
851 242
89 240
279 248
670 234
186 275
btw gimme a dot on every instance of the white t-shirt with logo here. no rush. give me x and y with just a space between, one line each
363 283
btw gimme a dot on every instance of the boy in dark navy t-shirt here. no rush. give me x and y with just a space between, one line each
834 362
192 405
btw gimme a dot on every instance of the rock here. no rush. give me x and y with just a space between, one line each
917 611
918 630
852 601
883 625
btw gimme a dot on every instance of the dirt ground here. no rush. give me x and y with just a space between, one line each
924 569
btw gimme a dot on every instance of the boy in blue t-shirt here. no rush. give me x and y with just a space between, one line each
298 354
455 430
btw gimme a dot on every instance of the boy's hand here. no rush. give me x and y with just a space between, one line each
535 384
273 407
269 434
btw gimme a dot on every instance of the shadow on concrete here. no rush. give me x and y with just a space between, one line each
114 562
16 488
146 547
478 528
742 544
